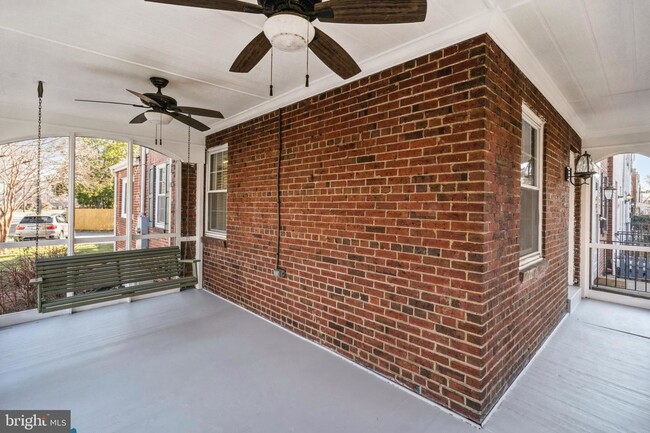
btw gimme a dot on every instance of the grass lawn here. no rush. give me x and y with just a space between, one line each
11 255
93 248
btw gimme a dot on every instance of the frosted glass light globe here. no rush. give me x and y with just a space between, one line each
157 117
288 32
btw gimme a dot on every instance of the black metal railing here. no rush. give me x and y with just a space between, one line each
623 266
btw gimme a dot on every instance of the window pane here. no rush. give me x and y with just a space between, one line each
528 155
217 211
32 219
529 232
162 178
219 171
215 171
162 207
224 170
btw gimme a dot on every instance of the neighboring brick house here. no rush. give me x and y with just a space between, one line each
407 197
154 200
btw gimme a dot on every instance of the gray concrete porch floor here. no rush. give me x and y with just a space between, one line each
191 362
593 375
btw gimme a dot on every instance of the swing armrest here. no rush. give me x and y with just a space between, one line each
39 301
194 268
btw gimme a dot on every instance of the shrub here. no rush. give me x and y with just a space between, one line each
16 294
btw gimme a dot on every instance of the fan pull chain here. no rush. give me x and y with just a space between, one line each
155 139
158 136
307 74
307 55
38 164
271 85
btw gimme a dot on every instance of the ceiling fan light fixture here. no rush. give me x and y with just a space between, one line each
158 117
289 32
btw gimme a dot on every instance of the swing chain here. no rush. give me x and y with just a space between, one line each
38 164
187 184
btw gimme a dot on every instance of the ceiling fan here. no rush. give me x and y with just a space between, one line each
161 107
289 25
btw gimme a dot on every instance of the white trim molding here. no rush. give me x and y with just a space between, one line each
537 125
218 234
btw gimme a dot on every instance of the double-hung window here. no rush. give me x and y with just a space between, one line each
161 195
530 234
217 191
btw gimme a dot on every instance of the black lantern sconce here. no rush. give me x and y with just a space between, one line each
583 172
608 192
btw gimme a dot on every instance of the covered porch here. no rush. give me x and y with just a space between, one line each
379 216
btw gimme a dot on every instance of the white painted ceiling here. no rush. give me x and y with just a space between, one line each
590 57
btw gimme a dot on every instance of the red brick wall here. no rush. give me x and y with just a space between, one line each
391 217
523 307
188 199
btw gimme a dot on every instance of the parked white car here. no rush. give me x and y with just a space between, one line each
49 227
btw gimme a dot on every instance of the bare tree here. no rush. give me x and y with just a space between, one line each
18 176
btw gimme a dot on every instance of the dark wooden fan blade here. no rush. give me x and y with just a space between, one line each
109 102
198 111
224 5
252 54
145 98
189 121
140 118
372 11
333 55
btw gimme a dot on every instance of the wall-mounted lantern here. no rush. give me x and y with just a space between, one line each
583 172
608 192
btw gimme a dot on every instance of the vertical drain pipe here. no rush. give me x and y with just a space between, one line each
278 271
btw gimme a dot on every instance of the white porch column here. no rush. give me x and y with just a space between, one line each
72 146
585 224
129 195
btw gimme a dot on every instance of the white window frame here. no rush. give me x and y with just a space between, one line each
219 234
157 194
123 201
537 124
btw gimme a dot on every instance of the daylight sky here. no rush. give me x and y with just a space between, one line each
642 164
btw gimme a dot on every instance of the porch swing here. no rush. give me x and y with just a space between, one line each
76 281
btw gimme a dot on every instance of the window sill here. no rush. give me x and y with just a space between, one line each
219 241
532 270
